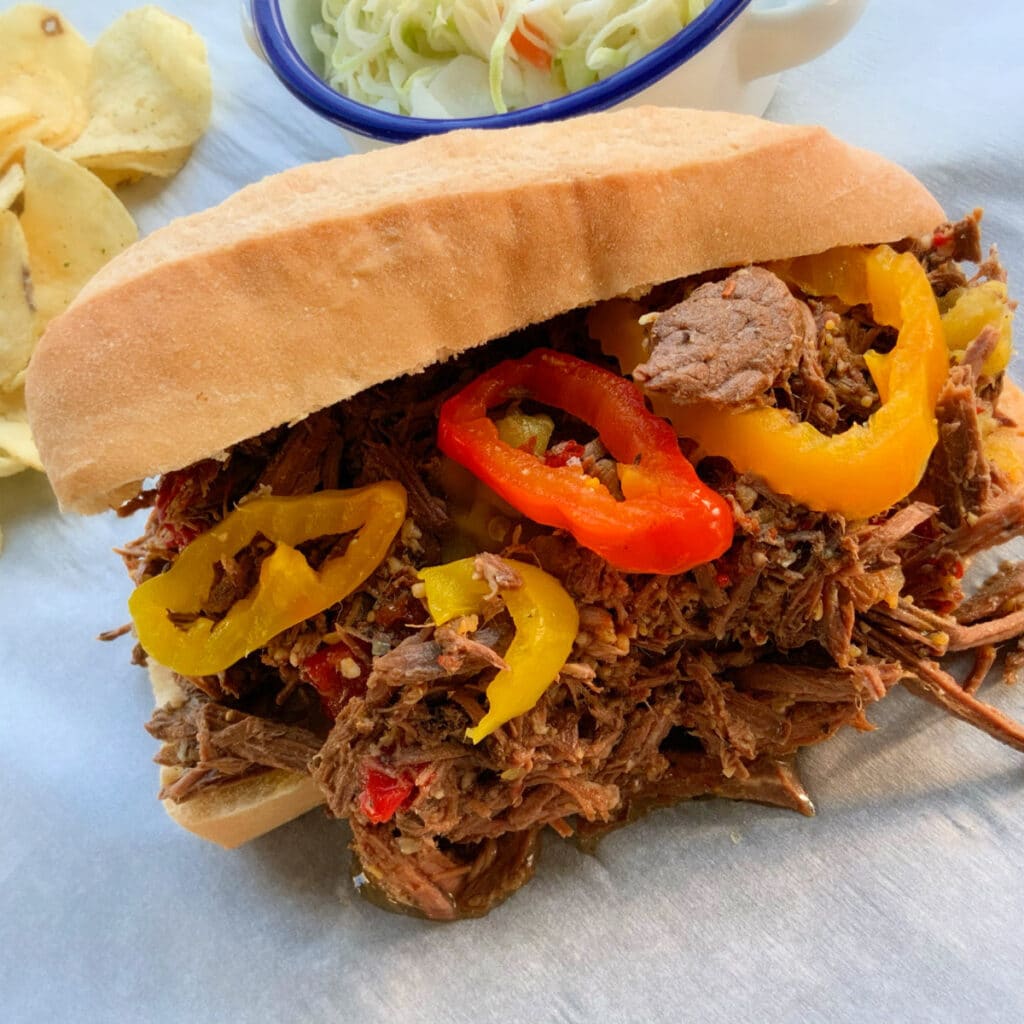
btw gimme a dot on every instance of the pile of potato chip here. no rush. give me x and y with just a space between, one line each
75 121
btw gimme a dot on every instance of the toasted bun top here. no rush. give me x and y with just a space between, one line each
314 284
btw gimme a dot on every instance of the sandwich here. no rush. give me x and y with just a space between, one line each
507 482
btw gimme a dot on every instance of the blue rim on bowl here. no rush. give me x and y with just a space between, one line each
315 93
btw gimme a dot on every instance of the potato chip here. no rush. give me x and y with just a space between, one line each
137 108
39 37
160 165
73 224
13 114
12 181
149 95
44 78
16 444
58 113
17 312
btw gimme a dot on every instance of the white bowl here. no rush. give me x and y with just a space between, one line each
729 58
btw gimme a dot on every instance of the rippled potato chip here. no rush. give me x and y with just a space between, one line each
74 120
17 312
13 115
73 224
12 181
160 165
44 76
149 97
35 36
58 113
17 449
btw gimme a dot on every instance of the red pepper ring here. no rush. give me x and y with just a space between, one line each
669 521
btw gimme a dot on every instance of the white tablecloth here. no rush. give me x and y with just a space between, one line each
902 901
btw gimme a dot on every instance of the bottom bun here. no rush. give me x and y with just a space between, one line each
234 812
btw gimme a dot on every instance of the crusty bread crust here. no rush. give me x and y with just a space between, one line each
235 812
317 283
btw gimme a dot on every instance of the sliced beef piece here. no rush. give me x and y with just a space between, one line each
984 658
175 724
729 342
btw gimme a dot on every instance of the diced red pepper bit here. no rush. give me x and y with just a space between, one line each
563 454
177 537
175 486
723 579
384 794
325 671
169 487
958 569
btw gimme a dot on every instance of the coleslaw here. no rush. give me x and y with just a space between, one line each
467 58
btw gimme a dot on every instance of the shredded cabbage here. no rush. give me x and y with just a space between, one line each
442 58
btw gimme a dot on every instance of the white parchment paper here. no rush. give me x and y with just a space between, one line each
902 901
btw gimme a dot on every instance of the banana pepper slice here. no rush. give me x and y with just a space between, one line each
288 591
546 622
869 467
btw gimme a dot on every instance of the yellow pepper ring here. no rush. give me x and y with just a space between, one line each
546 622
869 467
288 590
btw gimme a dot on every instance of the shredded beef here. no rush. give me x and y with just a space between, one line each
706 683
214 743
1000 593
768 780
463 880
385 462
958 474
308 459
